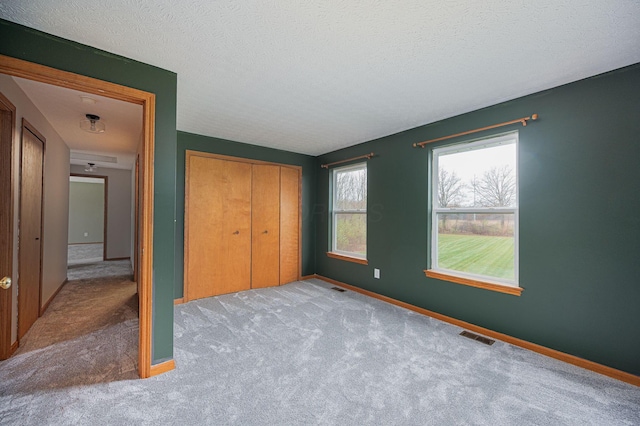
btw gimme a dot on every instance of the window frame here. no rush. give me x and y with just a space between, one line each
334 252
476 280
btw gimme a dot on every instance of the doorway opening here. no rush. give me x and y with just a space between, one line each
143 240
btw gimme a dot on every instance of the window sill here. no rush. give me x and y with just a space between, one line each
515 291
347 258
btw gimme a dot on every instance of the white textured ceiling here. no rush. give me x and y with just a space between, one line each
315 76
64 109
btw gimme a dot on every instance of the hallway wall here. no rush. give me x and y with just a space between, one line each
56 198
119 227
86 212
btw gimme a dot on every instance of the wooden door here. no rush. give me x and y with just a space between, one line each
7 127
289 225
265 225
218 227
30 228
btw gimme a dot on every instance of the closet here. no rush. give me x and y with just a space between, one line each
242 224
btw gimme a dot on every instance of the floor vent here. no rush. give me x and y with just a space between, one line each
341 290
482 339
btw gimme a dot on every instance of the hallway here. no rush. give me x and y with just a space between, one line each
89 334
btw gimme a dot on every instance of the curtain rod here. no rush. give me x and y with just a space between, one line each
367 156
522 120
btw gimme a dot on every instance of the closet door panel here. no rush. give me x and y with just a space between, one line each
218 226
289 225
235 245
265 222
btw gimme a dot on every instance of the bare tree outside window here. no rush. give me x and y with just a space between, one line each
450 188
351 190
497 188
450 191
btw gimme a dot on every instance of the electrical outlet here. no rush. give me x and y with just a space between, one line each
86 234
376 273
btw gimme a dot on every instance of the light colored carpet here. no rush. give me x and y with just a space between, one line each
89 334
305 354
99 269
84 253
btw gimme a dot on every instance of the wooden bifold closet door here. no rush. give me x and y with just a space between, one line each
265 224
289 225
242 225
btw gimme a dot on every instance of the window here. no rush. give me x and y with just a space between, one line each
474 228
349 211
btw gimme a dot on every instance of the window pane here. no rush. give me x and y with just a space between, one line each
482 176
351 189
476 243
351 233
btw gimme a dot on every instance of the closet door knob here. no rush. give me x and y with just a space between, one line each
265 232
236 233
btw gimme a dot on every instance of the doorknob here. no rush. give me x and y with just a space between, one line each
236 233
265 232
5 283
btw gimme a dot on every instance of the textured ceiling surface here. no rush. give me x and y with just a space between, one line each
64 109
315 76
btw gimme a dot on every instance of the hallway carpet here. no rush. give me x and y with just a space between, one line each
84 253
304 354
100 269
89 334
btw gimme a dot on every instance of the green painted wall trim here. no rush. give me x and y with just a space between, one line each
35 46
190 141
579 221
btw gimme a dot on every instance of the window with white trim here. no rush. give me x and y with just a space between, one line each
349 210
474 220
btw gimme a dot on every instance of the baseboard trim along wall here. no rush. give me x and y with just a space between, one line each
14 347
161 368
179 301
543 350
53 296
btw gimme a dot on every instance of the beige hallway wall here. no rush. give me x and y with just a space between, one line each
119 226
86 212
56 197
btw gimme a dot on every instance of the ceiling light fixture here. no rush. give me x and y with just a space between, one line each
91 167
92 124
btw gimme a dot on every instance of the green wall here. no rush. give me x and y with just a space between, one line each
579 170
190 141
25 43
